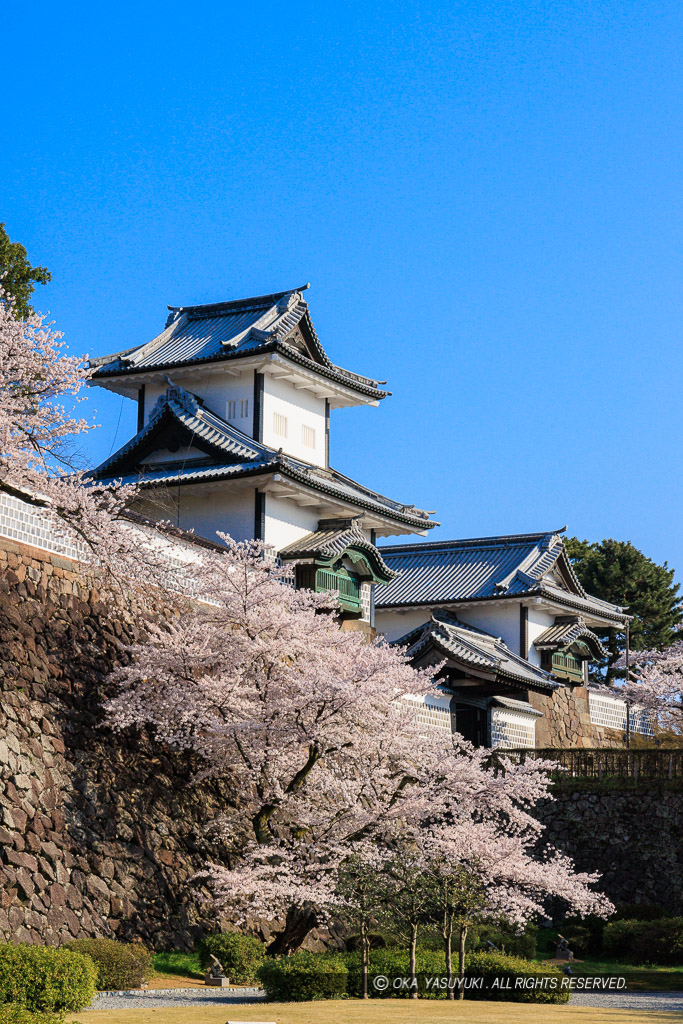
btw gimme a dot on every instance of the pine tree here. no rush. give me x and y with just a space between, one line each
618 572
17 276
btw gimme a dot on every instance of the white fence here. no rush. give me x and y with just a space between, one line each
28 525
512 729
610 713
433 712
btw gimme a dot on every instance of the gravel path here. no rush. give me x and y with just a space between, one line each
665 1002
157 998
671 1002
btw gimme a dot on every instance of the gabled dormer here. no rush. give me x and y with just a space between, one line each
182 433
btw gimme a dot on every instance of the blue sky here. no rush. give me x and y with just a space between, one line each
486 198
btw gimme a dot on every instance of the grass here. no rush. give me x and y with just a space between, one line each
641 977
384 1011
183 965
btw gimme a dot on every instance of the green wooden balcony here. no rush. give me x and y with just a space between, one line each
348 587
567 666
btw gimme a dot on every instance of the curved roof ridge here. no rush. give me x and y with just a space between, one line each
497 540
270 299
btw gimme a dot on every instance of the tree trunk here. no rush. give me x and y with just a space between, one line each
448 947
413 953
299 922
461 960
365 955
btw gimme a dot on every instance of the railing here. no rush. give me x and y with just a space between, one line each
594 763
567 665
349 589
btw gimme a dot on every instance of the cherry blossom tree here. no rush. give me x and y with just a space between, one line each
40 386
360 898
491 872
305 724
36 431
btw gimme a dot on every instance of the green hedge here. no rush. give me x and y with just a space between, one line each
506 972
14 1013
120 965
394 962
642 942
44 978
240 955
304 976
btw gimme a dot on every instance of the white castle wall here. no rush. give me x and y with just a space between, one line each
301 409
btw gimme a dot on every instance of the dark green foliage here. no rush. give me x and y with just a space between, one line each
120 965
584 935
44 978
394 962
14 1013
304 976
641 912
616 571
333 975
506 939
492 966
645 942
19 274
240 955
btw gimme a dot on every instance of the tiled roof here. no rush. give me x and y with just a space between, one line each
234 455
567 632
478 651
231 330
331 543
186 409
486 568
516 705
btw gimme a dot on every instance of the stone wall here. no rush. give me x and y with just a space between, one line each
631 833
567 722
97 836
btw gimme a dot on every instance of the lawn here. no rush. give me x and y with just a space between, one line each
178 965
653 978
385 1011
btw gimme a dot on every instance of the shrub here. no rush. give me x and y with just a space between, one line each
640 942
304 976
43 978
240 955
394 962
506 939
584 935
14 1013
505 971
120 965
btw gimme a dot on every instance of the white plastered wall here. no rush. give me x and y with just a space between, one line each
498 619
287 522
217 389
301 409
538 623
393 623
165 455
230 512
